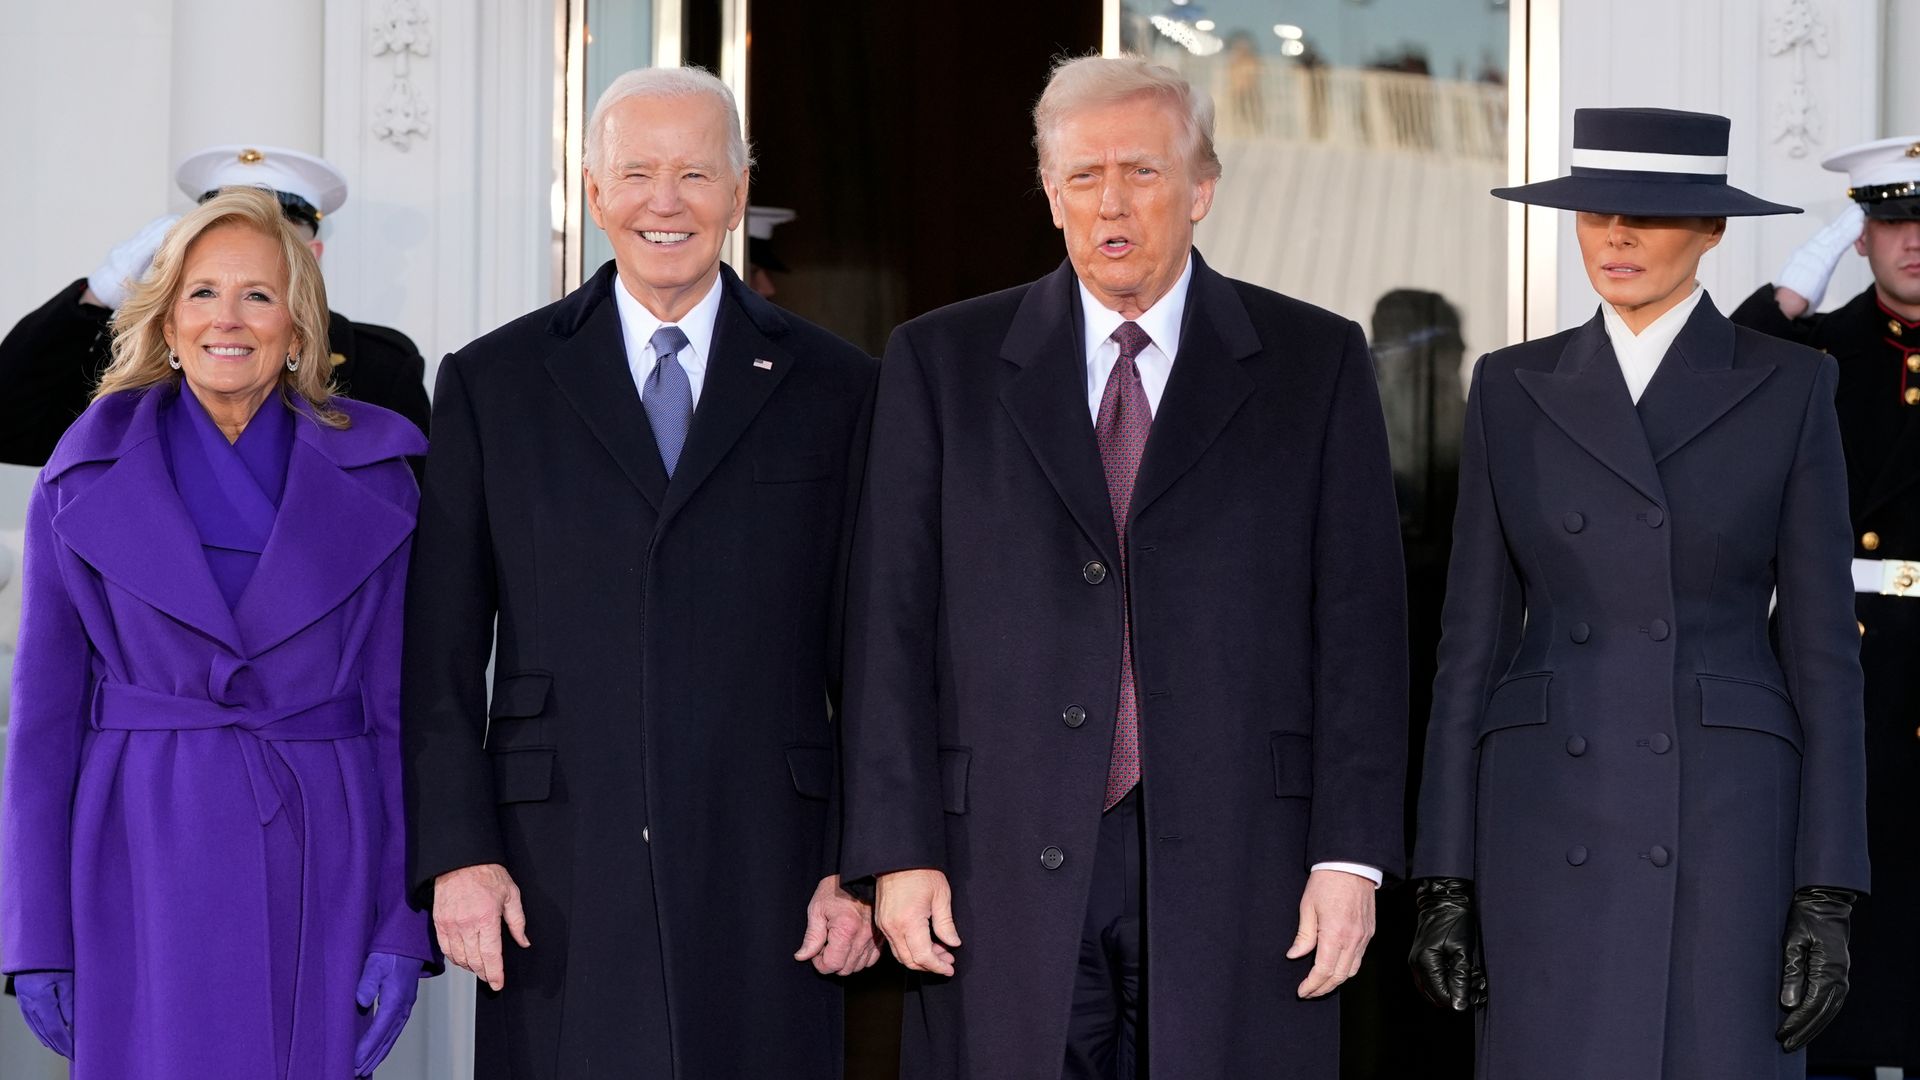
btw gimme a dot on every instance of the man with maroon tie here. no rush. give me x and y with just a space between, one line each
1126 660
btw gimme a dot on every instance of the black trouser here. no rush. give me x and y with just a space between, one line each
1106 1032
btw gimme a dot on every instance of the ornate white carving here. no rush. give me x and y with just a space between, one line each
401 32
1795 32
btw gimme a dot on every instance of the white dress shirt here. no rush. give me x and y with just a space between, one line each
637 326
1162 324
1640 354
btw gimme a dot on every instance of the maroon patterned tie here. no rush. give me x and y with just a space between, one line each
1121 430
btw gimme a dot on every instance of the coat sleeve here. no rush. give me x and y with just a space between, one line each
891 731
1762 312
1819 646
451 602
836 636
398 928
1479 632
52 685
1359 634
49 362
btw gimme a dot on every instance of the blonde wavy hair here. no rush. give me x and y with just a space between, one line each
139 341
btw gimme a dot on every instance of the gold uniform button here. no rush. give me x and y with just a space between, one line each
1913 362
1893 327
1912 396
1870 541
338 359
1862 626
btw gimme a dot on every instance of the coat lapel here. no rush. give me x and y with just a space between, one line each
1047 399
131 527
314 560
590 368
1207 387
743 371
1586 396
1696 384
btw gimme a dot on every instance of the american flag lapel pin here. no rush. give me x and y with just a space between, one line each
763 365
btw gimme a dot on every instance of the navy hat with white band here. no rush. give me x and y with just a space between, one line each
1647 163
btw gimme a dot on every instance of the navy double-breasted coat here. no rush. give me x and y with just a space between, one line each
984 635
1633 770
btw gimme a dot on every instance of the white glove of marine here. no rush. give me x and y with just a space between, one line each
1811 267
127 263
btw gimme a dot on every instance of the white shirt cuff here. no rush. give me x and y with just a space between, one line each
1372 874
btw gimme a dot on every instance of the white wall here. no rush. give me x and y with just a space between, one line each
1713 56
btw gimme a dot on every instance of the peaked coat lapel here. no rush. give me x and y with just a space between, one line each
1697 383
745 367
590 368
1206 388
1047 400
1586 396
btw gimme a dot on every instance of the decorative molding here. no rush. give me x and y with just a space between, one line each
401 31
1795 32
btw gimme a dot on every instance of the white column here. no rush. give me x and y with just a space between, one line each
221 50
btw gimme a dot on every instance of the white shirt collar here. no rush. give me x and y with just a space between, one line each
1162 324
637 326
1640 354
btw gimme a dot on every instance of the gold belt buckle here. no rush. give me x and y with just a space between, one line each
1899 578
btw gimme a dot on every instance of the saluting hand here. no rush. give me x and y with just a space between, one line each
906 904
839 938
1336 922
468 906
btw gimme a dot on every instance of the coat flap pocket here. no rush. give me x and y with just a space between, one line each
524 775
1292 764
791 468
812 770
1518 701
523 693
1744 703
954 761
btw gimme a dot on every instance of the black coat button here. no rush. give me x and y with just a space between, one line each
1660 743
1576 855
1052 857
1659 856
1580 632
1074 716
1576 745
1659 630
1095 572
1654 517
1574 521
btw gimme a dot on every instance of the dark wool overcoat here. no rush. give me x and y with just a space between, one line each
1633 771
1269 638
656 763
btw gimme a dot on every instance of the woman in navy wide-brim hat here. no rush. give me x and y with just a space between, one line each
1634 793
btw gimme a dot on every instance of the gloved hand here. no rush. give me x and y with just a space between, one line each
46 1000
393 981
1444 937
1811 267
127 263
1813 982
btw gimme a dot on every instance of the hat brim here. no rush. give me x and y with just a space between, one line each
1894 209
1642 198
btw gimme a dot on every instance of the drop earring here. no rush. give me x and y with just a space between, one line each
292 364
173 361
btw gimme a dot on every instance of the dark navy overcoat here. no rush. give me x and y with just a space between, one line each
1269 637
1633 770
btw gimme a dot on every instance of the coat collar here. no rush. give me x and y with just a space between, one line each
1047 397
589 365
1697 383
331 533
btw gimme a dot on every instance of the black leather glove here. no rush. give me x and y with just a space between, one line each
1445 935
1813 981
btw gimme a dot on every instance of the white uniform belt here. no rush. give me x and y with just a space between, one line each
1886 577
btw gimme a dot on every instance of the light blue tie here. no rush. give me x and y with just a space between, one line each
667 395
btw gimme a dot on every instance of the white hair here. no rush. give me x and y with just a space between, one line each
1086 82
672 83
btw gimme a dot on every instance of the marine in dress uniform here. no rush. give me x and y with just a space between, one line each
51 359
1642 818
1875 337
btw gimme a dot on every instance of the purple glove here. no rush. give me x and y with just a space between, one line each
46 1000
394 981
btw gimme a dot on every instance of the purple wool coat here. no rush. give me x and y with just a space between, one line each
202 806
